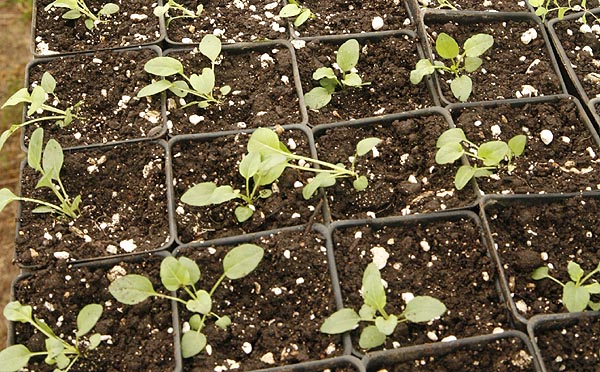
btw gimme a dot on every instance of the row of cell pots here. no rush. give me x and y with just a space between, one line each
309 271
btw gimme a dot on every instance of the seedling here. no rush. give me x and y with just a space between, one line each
346 60
175 6
59 352
576 296
78 9
545 7
264 163
418 310
468 61
37 101
201 86
48 165
453 143
294 9
183 273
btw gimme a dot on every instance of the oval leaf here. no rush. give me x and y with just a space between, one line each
452 135
192 344
14 357
154 88
48 82
210 46
243 213
463 176
163 66
540 273
493 152
191 267
373 290
575 271
446 46
87 318
347 55
16 312
173 274
461 87
53 158
202 305
341 321
290 10
131 289
207 193
423 309
575 298
361 183
317 98
449 153
323 72
517 144
478 44
6 197
241 260
366 145
371 337
386 326
302 17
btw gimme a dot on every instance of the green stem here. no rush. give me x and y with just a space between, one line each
49 335
585 278
555 280
41 202
85 10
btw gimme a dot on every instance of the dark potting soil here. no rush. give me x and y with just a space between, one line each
531 234
216 160
502 355
134 24
445 259
107 84
140 337
509 65
276 310
570 346
232 21
568 164
403 178
124 206
263 91
385 63
480 5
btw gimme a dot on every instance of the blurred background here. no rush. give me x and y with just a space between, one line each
15 24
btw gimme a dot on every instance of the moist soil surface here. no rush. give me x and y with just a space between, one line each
216 160
568 164
276 310
531 234
124 206
479 5
384 63
263 91
403 178
140 337
444 259
570 345
509 64
134 24
107 84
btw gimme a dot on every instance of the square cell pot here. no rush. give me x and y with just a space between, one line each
133 25
105 85
519 64
125 207
403 175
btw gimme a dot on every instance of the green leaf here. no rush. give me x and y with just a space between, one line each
45 181
341 321
131 289
373 291
15 357
38 97
575 271
423 309
163 66
446 46
54 347
317 98
463 176
224 90
6 197
53 158
517 144
540 273
15 312
250 164
347 55
179 88
48 82
207 193
575 298
453 135
320 180
493 152
243 213
109 8
324 72
242 260
191 267
593 288
478 44
89 24
595 306
422 68
62 361
449 153
223 322
302 17
210 46
95 341
195 322
204 83
352 80
264 141
366 145
371 337
541 12
562 11
42 325
461 87
21 96
265 193
34 151
290 10
536 3
173 274
472 63
202 305
192 343
72 14
161 10
155 88
386 326
87 318
366 312
329 84
43 209
361 183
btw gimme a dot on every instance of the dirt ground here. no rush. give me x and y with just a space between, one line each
15 21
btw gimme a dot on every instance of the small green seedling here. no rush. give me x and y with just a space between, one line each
37 103
346 60
576 296
264 163
48 165
78 9
418 310
175 6
468 61
453 143
201 86
546 7
294 9
183 273
59 352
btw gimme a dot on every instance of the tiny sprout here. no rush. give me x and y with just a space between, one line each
201 86
576 296
419 310
346 59
58 352
264 163
48 165
545 7
467 61
173 5
78 8
294 9
183 273
37 103
453 143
